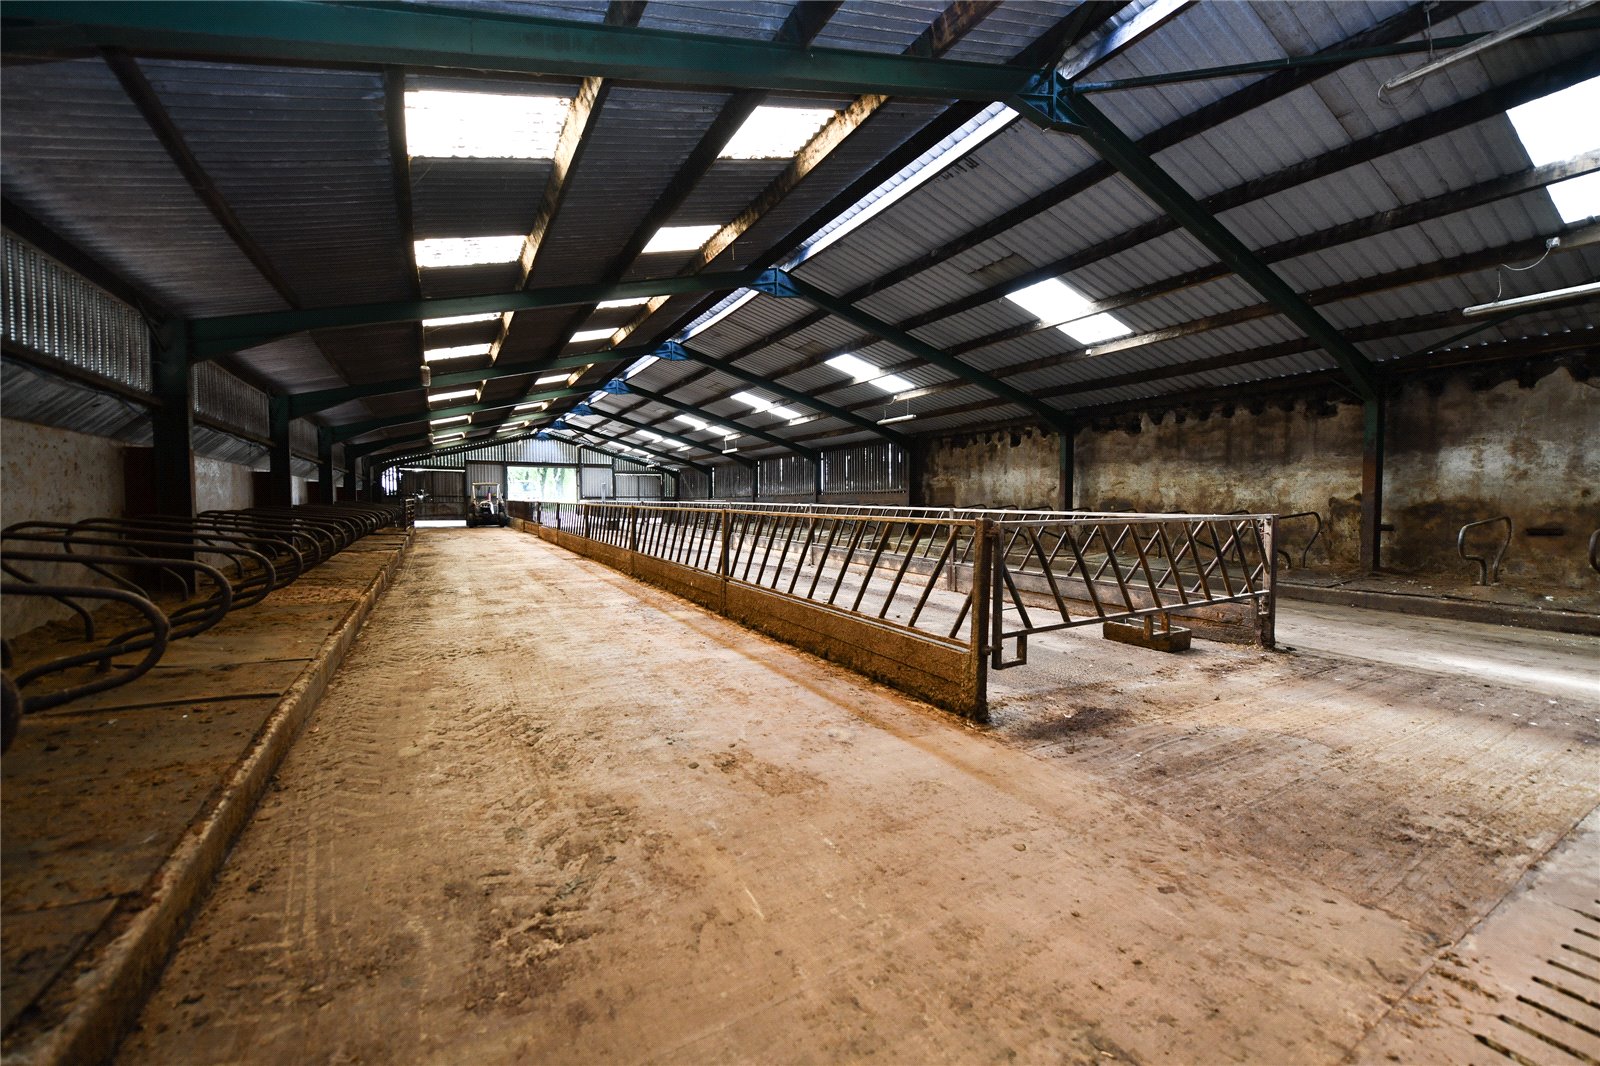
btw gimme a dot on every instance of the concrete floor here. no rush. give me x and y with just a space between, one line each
545 813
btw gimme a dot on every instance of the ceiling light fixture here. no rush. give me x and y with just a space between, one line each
1538 299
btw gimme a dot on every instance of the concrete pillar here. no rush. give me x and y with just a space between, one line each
1373 433
172 422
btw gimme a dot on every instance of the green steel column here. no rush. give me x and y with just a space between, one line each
325 490
280 478
1374 425
172 421
1068 494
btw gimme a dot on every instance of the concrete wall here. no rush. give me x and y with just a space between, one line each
221 486
1460 448
1458 454
59 476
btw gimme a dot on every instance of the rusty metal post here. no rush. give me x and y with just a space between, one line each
1375 417
722 555
984 575
633 530
1267 613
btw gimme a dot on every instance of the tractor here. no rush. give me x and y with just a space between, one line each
486 507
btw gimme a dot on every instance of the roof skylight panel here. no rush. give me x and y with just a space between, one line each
461 351
864 373
454 394
444 124
1552 130
459 320
468 251
678 239
584 336
636 301
1055 302
775 132
765 406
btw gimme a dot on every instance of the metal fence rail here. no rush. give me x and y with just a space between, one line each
974 580
895 569
1088 570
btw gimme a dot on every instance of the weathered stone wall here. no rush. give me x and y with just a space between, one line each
1459 454
54 475
1282 459
1003 468
1459 449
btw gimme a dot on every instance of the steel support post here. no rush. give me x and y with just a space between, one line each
1373 433
1067 490
816 478
1267 614
326 492
172 421
984 573
280 483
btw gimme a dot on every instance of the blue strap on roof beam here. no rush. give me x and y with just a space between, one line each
343 34
1055 105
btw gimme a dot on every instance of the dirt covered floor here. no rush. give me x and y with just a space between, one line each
547 814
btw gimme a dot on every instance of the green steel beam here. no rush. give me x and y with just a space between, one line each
296 31
831 410
213 337
306 403
1056 105
1319 59
759 434
782 284
351 430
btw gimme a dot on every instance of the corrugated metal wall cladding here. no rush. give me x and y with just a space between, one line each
34 396
54 311
864 468
633 148
67 126
476 197
303 437
751 19
219 395
878 25
326 218
785 475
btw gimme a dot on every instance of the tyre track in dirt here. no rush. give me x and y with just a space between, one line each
545 813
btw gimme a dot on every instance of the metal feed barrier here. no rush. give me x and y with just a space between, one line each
928 599
169 578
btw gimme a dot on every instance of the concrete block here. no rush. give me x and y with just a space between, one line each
1156 639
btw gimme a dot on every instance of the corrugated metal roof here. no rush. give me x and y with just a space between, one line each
327 215
111 189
